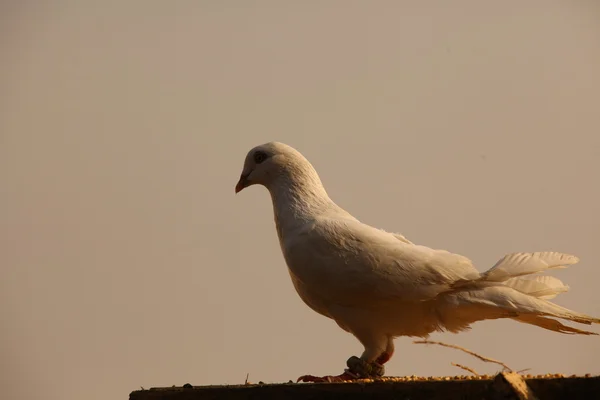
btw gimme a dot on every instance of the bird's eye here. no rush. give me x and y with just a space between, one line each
259 157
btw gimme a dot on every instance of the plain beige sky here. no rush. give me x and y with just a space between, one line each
128 261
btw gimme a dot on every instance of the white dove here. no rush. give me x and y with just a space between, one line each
378 285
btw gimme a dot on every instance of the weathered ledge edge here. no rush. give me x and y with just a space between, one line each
502 386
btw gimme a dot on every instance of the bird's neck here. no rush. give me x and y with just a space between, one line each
297 202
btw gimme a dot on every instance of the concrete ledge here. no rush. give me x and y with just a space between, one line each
502 386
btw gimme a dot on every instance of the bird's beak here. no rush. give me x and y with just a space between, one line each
242 183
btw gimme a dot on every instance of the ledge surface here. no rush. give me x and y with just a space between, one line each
492 388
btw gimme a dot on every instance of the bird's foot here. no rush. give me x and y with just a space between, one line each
357 369
364 369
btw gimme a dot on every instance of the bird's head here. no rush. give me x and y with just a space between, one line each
269 162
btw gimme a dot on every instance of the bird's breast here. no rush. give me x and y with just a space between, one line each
312 299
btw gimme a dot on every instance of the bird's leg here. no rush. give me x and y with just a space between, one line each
357 369
383 358
369 365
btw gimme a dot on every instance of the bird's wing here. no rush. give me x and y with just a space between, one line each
349 261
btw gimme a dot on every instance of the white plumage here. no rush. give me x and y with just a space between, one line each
378 285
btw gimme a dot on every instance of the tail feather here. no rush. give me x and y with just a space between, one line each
523 304
505 292
550 324
518 264
543 307
542 287
502 301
